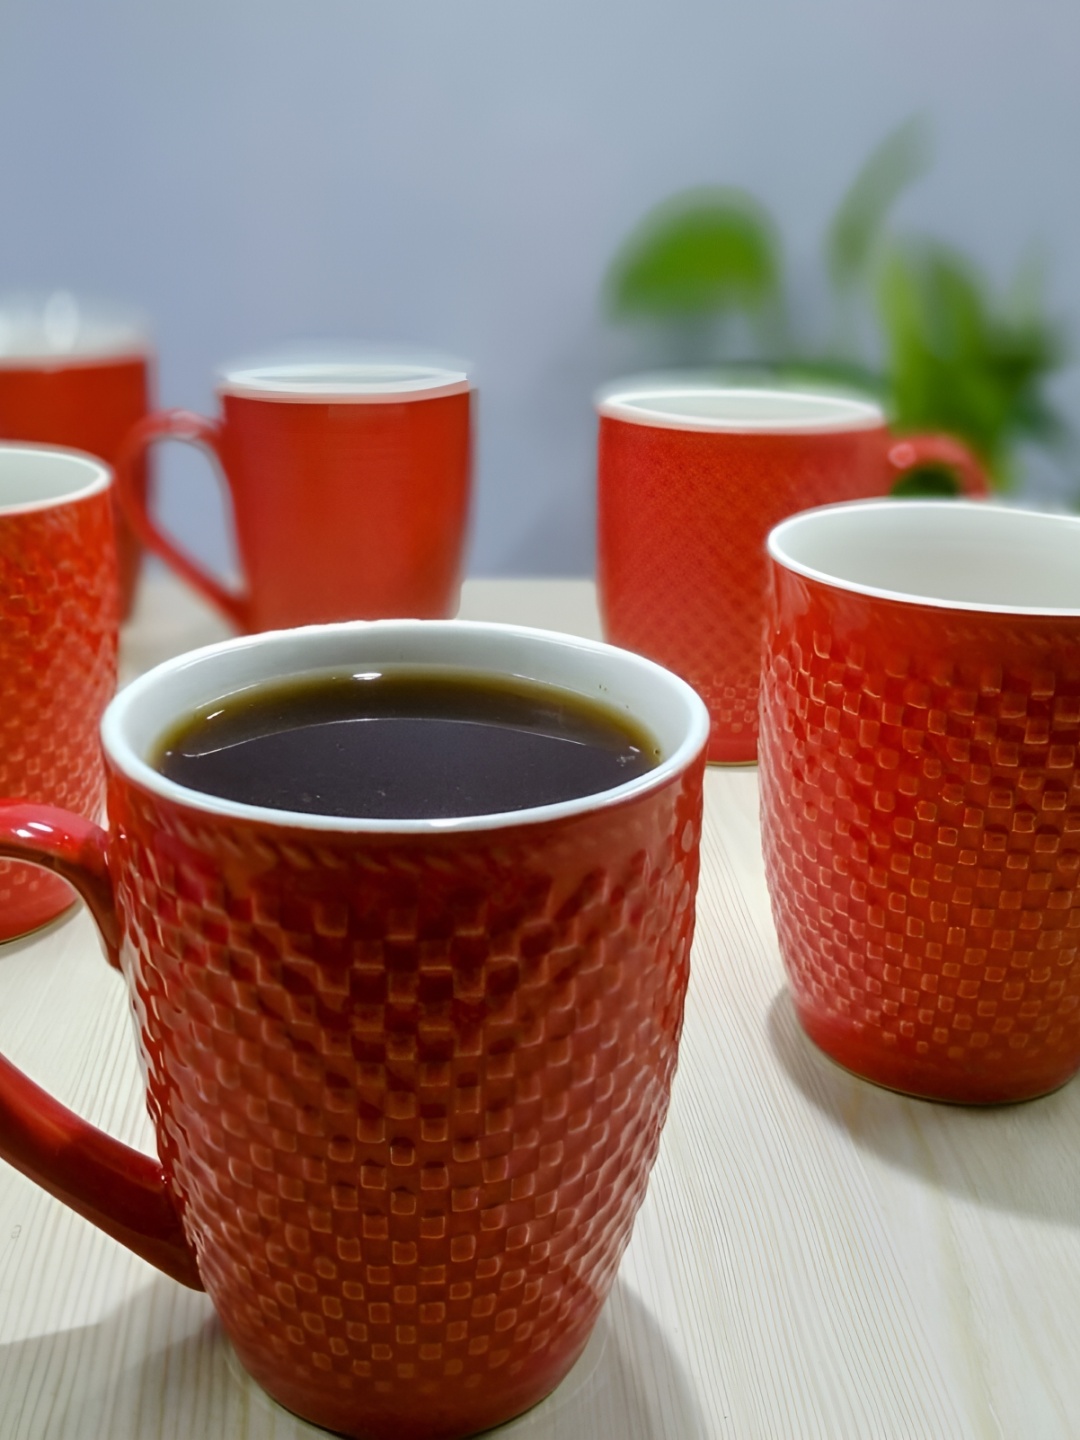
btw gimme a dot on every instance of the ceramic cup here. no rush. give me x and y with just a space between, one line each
692 475
58 637
920 791
407 1078
76 373
349 481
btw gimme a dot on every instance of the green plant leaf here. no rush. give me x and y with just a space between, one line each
856 229
960 359
698 254
927 482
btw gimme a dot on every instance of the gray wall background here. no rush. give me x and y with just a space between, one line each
459 174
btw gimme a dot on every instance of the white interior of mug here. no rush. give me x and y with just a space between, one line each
56 326
948 553
734 409
345 373
140 716
37 477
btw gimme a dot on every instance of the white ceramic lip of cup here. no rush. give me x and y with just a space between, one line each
41 477
44 329
142 714
345 373
947 554
735 410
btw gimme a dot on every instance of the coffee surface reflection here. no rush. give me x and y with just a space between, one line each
405 744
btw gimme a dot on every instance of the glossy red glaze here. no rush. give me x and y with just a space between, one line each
921 823
58 640
342 510
407 1089
85 405
683 516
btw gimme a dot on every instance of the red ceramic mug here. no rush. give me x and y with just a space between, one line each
692 475
920 791
76 373
349 480
58 631
407 1078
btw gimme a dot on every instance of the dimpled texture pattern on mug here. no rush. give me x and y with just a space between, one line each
683 517
408 1092
58 625
921 825
86 406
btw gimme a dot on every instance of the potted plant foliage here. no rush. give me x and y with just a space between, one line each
913 321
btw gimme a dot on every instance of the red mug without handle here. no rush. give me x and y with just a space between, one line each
77 374
692 476
58 640
407 1078
349 481
920 791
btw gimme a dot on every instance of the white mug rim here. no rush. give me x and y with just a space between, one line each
122 753
837 414
99 479
344 375
781 534
119 334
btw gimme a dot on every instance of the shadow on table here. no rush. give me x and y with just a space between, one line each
627 1386
123 1377
131 1375
1022 1158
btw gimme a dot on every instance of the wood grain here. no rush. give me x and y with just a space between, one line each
816 1260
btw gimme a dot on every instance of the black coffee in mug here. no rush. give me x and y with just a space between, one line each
404 744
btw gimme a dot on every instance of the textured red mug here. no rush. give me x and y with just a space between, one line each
58 631
349 481
920 791
692 475
76 373
407 1078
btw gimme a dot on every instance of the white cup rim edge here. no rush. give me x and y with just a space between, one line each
779 533
122 756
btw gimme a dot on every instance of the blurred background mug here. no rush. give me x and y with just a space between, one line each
407 1077
920 791
691 477
349 480
77 373
58 641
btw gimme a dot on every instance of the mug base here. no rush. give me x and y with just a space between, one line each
406 1410
727 751
920 1079
579 1379
457 1415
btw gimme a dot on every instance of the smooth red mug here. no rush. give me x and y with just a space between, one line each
407 1078
920 791
58 640
349 481
78 374
692 475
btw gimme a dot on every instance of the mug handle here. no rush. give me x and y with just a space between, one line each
909 452
118 1189
192 428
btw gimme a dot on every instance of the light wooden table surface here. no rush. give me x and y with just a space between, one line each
816 1258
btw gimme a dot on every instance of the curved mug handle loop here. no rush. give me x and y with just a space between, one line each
909 452
120 1190
192 428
